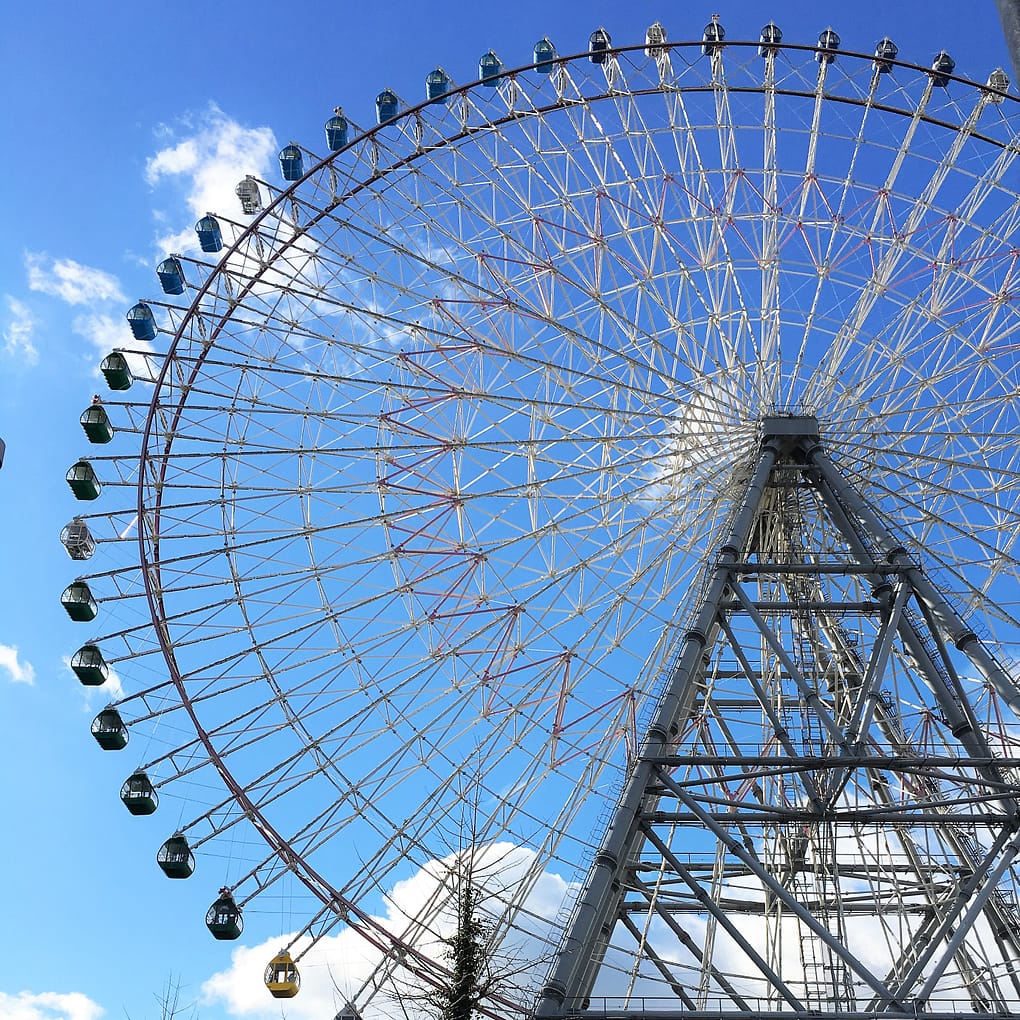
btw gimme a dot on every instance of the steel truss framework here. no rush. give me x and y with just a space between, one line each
821 819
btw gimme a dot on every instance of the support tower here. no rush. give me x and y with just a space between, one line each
823 817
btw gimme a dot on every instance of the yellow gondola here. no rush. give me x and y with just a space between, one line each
282 977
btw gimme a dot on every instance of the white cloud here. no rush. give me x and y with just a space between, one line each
111 690
71 281
18 336
337 965
178 241
207 164
21 672
49 1006
178 159
106 334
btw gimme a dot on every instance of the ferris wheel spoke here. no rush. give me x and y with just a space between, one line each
710 195
912 225
940 524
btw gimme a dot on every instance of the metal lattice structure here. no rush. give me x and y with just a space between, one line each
824 815
626 439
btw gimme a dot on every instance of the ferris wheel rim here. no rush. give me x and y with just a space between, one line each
150 567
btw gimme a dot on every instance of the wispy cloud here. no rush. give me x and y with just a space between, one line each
209 154
19 334
181 158
106 333
71 281
49 1006
103 332
18 669
111 690
203 157
75 284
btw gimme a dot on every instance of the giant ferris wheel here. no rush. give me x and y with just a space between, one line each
601 478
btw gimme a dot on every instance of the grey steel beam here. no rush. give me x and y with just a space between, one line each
1009 15
590 926
950 622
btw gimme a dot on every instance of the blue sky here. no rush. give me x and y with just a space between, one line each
119 126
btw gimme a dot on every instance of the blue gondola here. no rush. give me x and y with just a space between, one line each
712 37
209 236
598 46
336 130
828 43
769 40
545 54
171 275
489 69
885 54
941 68
292 163
142 322
437 85
386 106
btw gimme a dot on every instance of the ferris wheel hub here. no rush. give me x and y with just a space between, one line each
804 426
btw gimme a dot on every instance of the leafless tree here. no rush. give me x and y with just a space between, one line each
168 1000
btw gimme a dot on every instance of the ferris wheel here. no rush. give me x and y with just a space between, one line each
401 501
